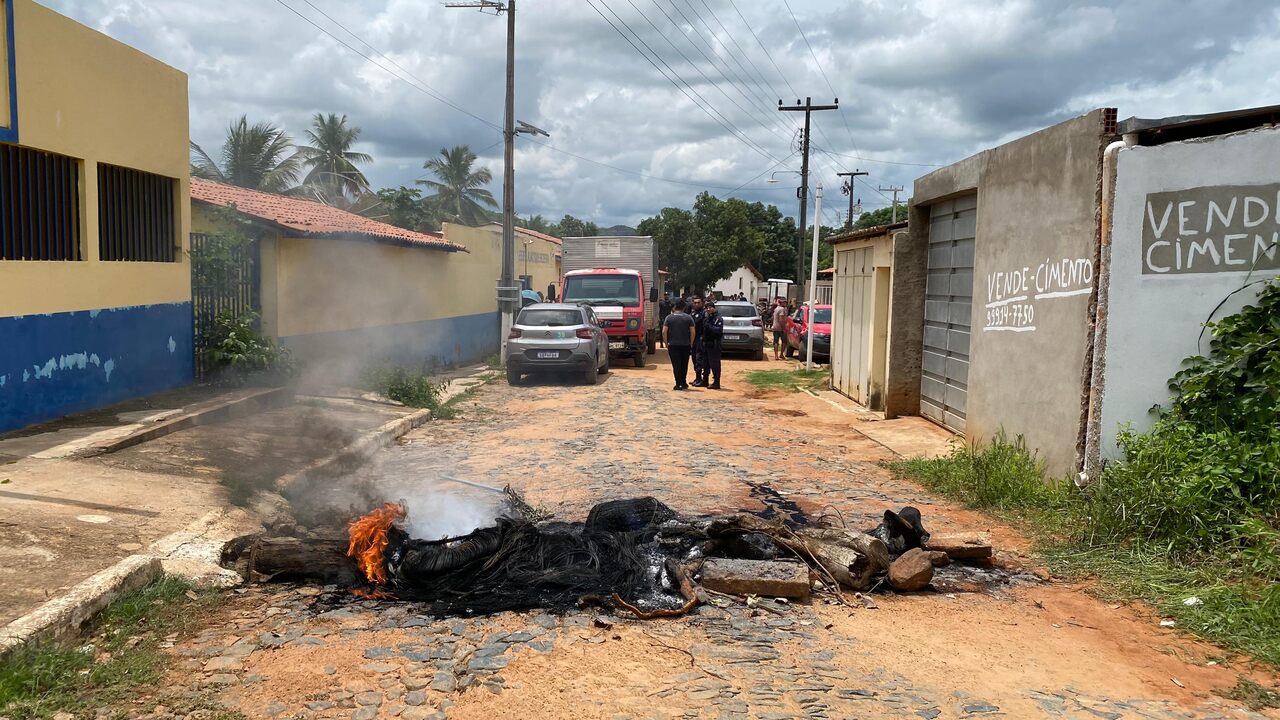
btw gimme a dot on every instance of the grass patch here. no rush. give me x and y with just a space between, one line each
790 380
414 388
122 655
1254 696
1079 535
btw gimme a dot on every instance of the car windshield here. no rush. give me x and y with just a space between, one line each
737 310
603 289
822 316
550 318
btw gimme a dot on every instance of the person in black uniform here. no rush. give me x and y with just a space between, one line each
699 363
712 334
664 309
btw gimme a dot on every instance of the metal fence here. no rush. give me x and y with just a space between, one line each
225 278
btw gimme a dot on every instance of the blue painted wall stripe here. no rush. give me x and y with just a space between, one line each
62 363
444 341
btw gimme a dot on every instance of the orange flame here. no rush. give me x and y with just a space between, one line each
369 541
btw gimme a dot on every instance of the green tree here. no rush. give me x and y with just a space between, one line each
259 157
778 258
460 195
403 207
674 233
728 239
536 223
331 164
570 226
880 216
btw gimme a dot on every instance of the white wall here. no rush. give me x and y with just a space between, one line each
741 281
1156 304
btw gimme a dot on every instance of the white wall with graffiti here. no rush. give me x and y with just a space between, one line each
1193 222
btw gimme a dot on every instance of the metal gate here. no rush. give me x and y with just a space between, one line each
851 322
225 278
944 384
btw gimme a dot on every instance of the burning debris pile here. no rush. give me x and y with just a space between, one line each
634 555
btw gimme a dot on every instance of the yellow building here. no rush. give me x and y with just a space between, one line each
95 290
343 292
537 254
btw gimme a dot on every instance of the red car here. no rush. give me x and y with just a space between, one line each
798 331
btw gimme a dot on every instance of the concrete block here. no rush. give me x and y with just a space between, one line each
962 546
770 578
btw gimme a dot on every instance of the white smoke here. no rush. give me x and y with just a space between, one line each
438 512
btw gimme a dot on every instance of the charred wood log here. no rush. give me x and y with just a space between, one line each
260 559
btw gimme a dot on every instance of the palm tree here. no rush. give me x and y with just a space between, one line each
258 156
459 192
332 165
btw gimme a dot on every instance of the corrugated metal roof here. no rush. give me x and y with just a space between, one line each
865 233
313 219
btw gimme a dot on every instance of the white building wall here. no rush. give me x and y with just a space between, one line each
741 281
1178 249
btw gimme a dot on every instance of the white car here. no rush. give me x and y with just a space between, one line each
557 337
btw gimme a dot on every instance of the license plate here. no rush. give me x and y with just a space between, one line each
549 355
734 337
617 345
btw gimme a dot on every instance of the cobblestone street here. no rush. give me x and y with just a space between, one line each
1011 642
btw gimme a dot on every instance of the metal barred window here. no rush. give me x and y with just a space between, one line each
137 219
39 205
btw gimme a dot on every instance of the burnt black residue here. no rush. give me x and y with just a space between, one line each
776 505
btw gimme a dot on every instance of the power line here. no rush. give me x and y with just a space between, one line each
419 85
876 160
825 79
723 123
768 169
759 76
765 49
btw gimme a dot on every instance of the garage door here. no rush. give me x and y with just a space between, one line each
850 341
944 383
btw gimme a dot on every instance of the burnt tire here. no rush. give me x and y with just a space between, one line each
640 359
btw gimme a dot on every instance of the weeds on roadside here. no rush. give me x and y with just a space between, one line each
122 655
411 387
1254 696
790 380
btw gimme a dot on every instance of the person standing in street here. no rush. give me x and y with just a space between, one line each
698 368
677 335
664 309
712 334
779 329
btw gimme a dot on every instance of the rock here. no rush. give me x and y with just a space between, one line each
444 682
365 713
911 571
961 546
938 558
379 653
318 705
275 708
369 698
492 662
224 663
330 669
379 667
416 683
415 698
420 713
221 679
770 578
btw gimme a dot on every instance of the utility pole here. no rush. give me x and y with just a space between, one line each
508 290
803 193
847 189
813 279
895 191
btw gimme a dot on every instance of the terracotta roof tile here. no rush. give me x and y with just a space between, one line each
312 218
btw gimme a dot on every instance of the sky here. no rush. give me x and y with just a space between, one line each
649 102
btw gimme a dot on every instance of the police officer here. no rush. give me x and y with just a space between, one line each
712 334
699 357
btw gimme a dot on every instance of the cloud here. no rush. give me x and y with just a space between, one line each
930 81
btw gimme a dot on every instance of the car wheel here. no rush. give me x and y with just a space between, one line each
789 351
652 346
593 374
758 354
513 375
640 359
604 369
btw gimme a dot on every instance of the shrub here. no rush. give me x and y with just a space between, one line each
240 352
411 387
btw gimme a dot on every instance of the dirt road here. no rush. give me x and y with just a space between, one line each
1020 648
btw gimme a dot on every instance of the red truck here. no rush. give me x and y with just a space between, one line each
615 276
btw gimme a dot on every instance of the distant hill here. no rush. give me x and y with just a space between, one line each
619 230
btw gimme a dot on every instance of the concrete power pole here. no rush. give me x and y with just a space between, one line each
895 191
813 280
847 189
803 193
508 289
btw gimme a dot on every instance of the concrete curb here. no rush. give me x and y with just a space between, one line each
383 436
255 401
63 618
